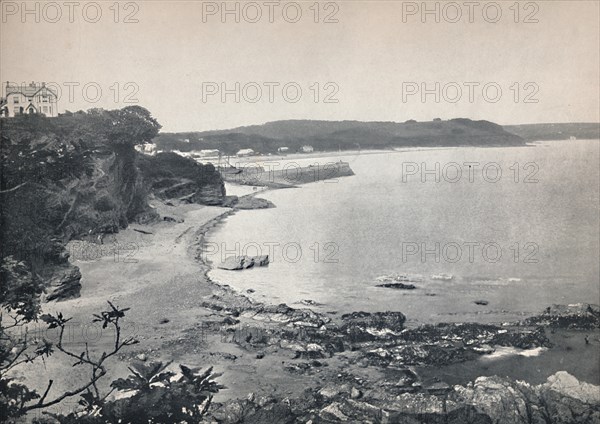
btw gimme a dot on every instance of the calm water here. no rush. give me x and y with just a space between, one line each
340 236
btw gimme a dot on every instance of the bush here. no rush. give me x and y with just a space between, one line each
104 203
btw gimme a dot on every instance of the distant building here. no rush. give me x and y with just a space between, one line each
245 152
307 149
209 153
146 148
283 150
33 98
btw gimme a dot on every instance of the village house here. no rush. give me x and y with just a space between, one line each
307 149
146 148
209 153
33 98
245 152
283 149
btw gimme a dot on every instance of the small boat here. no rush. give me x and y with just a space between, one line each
443 277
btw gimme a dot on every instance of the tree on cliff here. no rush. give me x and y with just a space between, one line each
38 150
49 176
130 126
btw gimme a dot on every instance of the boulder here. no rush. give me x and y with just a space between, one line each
365 326
64 283
567 385
333 412
251 202
399 286
235 263
577 316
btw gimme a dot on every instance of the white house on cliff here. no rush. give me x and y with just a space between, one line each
33 98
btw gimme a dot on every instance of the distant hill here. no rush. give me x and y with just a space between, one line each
536 132
342 135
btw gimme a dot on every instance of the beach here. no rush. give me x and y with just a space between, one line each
179 314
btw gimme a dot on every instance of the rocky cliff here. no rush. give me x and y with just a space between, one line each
78 176
171 176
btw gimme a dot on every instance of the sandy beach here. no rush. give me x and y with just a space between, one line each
165 285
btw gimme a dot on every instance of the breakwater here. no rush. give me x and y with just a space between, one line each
290 175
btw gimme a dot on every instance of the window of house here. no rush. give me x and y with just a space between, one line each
16 110
16 99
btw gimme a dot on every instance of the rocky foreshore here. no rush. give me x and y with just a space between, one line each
561 400
379 355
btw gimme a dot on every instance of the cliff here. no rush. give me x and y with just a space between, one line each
78 176
171 176
342 135
556 131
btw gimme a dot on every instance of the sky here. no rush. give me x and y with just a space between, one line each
195 68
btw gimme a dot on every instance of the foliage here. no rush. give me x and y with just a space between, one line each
58 177
162 396
130 126
17 348
157 394
19 289
51 179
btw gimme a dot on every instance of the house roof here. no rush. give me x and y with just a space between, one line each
27 90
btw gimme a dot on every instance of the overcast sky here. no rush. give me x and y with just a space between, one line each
374 61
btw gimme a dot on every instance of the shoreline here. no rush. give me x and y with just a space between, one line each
509 354
268 350
272 351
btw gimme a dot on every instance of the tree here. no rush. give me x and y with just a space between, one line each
159 395
18 348
131 125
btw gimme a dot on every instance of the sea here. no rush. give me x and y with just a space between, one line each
484 234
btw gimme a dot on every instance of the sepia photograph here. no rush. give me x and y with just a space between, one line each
300 212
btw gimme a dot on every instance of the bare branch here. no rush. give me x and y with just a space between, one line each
50 382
